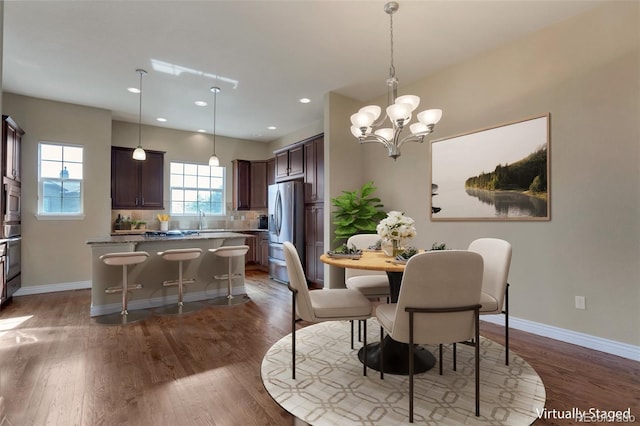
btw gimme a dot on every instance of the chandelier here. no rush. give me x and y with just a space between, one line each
366 126
138 153
214 161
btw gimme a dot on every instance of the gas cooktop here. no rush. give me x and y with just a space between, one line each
172 233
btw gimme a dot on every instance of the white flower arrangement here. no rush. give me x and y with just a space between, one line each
396 226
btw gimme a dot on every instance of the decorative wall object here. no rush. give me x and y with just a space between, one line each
496 173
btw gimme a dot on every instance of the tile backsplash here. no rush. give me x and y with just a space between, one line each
233 220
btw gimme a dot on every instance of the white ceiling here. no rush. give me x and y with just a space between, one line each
86 52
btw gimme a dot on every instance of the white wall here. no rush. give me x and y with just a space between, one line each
585 72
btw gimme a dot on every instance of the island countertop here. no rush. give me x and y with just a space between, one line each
134 239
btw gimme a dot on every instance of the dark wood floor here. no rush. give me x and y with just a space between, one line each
57 367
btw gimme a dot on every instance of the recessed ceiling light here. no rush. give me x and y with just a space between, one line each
133 89
200 103
160 119
272 127
305 100
202 131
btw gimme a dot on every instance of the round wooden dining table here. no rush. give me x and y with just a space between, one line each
396 354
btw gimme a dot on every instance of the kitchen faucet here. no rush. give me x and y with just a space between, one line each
201 220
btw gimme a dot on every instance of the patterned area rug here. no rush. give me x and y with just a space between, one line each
330 389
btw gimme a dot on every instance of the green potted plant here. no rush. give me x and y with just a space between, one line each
357 212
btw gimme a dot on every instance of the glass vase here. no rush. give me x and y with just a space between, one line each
392 247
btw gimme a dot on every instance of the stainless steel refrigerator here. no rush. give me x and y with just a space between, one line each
286 223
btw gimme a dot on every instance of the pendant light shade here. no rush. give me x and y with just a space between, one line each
214 161
138 153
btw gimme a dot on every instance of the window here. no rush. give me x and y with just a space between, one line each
60 183
195 188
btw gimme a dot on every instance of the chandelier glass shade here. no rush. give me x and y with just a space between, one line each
368 125
214 161
138 153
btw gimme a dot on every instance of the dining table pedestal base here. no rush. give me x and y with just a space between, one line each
396 357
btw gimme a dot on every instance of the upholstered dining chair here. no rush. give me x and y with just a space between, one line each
494 299
372 284
321 305
439 303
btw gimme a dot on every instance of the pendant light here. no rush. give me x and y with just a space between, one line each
214 161
139 153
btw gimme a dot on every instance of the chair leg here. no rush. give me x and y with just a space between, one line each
359 331
293 336
440 357
351 334
381 353
506 325
364 352
411 348
477 362
455 362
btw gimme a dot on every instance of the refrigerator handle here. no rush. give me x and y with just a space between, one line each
278 212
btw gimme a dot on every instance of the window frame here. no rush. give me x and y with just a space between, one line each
41 214
199 166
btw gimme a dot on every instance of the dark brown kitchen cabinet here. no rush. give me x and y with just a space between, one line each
241 184
271 172
137 184
314 170
290 163
12 140
314 242
259 188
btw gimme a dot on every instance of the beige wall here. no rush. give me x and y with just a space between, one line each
53 251
585 72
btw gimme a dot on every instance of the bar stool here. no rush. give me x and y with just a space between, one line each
179 255
229 252
123 259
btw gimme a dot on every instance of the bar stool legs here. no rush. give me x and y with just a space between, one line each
179 255
123 259
229 252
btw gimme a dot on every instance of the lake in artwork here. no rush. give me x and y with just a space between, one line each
461 202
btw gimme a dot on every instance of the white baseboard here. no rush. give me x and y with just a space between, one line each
613 347
52 288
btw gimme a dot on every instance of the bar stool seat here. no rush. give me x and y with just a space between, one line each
124 259
229 252
179 255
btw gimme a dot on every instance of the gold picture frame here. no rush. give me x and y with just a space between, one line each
499 173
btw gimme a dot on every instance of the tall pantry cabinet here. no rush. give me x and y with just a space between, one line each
314 208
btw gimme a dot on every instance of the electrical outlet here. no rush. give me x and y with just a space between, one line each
580 302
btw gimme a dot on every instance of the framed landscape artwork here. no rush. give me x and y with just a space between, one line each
497 173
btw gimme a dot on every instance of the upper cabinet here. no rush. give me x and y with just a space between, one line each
250 184
271 171
290 163
12 140
137 184
259 185
314 170
241 184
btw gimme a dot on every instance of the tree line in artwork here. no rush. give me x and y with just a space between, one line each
528 174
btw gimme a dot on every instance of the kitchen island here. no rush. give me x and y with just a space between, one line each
155 270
